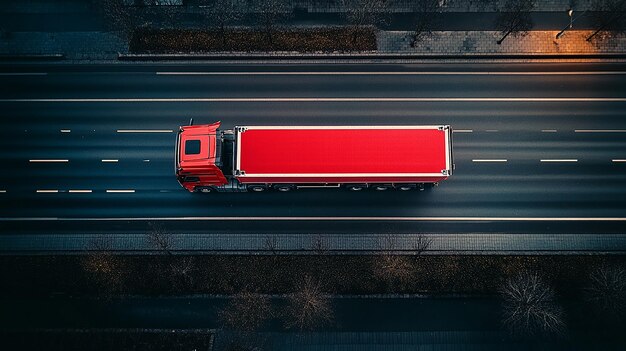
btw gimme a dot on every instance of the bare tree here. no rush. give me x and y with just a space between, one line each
320 244
160 238
107 270
182 269
607 290
394 269
608 18
270 13
421 244
308 308
515 19
220 14
530 307
361 13
246 311
425 17
270 243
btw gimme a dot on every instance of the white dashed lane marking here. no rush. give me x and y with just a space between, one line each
48 161
489 160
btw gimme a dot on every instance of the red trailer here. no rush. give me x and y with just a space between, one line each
259 158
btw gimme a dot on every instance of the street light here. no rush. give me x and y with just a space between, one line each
570 13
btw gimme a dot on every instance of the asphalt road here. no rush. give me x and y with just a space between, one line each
538 148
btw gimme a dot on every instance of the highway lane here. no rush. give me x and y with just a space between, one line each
141 85
522 133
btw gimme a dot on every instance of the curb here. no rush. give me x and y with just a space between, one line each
32 57
317 244
363 56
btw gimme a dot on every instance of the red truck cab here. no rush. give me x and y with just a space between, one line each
198 157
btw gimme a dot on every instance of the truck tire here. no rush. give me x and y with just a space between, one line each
284 187
356 187
204 189
257 188
405 187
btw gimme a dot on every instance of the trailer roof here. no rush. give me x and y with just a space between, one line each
343 151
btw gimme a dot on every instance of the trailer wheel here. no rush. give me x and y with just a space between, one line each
204 189
257 188
381 187
356 187
284 187
405 187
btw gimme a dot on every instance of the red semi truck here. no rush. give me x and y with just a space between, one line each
282 158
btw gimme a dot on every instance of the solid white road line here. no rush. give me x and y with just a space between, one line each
66 130
559 160
392 73
109 160
144 131
79 191
47 191
120 191
618 160
338 99
600 130
548 130
49 161
419 219
462 131
23 74
490 160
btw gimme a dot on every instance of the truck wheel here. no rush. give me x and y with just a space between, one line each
204 189
381 187
257 188
356 187
405 187
284 187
